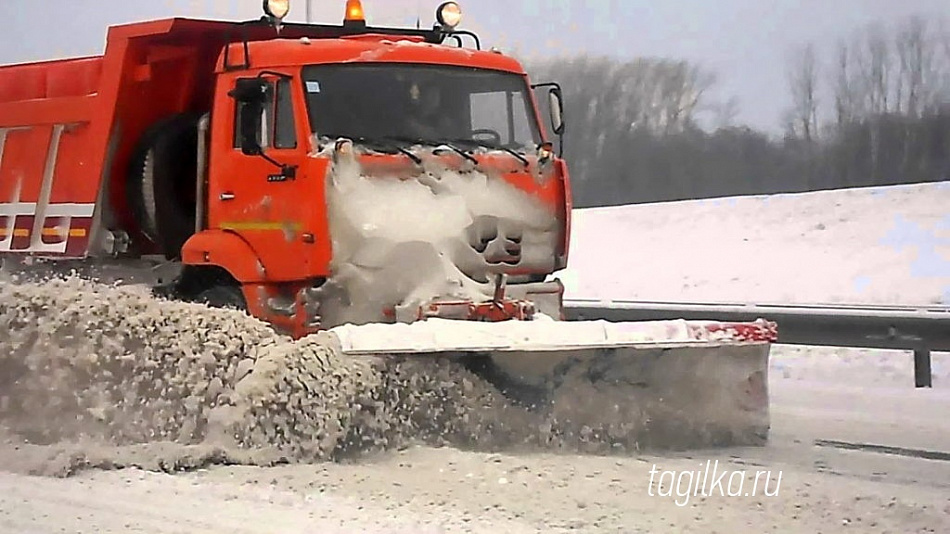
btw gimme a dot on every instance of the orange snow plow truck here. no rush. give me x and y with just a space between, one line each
394 187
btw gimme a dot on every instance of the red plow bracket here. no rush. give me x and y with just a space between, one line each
497 310
491 312
758 331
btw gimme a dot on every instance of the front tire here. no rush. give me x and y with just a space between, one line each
220 296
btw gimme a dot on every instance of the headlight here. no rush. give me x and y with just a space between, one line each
449 15
343 147
545 151
277 9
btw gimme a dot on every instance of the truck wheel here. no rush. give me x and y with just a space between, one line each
223 297
161 183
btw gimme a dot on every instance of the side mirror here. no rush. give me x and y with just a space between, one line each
557 110
251 94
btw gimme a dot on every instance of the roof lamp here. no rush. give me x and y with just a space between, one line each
449 15
354 11
277 9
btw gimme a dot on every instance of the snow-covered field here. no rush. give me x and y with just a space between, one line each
888 245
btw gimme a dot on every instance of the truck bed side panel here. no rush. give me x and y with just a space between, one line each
68 130
48 176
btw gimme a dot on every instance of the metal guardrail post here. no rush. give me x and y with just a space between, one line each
923 372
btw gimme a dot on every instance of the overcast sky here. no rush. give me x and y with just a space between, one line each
745 42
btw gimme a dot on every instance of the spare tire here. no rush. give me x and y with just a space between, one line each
161 182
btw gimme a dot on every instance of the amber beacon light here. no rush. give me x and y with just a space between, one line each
354 12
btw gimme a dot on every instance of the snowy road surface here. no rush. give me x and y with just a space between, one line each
444 490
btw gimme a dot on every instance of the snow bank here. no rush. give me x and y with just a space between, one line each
82 360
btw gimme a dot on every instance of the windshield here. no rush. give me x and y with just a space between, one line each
425 103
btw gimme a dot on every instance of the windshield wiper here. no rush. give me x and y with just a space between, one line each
483 144
449 144
381 142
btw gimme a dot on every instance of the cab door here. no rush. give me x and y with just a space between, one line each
262 197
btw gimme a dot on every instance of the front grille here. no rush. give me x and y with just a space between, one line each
496 246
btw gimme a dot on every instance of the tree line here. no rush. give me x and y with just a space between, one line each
872 110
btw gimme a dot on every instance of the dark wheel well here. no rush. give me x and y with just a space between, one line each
223 296
161 182
196 279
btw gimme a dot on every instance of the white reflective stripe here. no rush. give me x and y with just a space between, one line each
53 210
18 208
71 210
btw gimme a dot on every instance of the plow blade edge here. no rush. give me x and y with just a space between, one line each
650 385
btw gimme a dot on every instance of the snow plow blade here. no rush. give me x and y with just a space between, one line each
644 385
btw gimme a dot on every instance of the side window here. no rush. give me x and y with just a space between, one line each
520 111
502 112
285 131
277 120
490 112
262 137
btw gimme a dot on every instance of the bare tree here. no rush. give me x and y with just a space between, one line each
943 43
916 52
724 113
802 118
847 90
875 65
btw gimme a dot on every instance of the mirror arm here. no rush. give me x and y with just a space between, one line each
555 87
280 75
263 155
